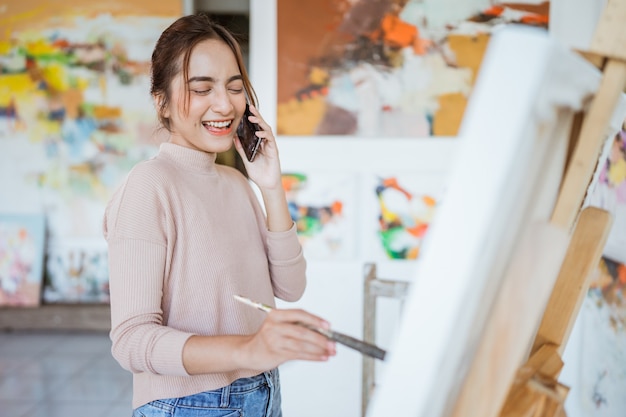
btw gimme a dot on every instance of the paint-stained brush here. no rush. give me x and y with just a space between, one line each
349 341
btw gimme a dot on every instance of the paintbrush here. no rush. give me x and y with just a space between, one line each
349 341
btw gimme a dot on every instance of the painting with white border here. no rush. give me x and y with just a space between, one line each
323 207
400 209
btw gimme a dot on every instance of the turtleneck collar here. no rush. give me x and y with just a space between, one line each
187 158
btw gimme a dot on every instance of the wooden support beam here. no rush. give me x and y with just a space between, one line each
374 287
536 397
610 35
523 403
596 60
592 137
544 355
572 283
369 334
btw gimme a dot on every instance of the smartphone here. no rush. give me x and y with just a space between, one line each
249 140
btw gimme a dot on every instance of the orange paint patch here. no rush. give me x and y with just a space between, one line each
429 201
398 33
621 273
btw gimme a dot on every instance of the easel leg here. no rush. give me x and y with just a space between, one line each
369 335
536 383
583 255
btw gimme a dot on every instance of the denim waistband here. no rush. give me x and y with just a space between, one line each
222 396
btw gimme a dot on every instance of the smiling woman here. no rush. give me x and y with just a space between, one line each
213 102
173 229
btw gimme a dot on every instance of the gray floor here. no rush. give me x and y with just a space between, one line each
54 374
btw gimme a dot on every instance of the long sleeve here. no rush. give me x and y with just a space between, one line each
138 245
287 264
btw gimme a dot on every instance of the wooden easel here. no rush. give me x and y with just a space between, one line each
488 390
373 288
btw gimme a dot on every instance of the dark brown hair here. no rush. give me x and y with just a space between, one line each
177 41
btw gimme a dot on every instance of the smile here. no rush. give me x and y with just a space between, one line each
220 125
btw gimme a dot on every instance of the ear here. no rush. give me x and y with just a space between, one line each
158 102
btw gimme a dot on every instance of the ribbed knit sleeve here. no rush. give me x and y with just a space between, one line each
287 264
136 230
285 257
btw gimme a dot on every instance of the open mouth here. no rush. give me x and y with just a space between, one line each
217 125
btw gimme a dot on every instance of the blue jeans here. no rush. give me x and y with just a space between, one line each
257 396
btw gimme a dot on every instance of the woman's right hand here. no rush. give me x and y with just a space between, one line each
281 338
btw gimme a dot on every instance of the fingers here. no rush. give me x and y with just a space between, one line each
258 119
302 343
266 132
299 316
284 337
301 326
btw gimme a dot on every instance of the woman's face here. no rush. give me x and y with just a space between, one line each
217 99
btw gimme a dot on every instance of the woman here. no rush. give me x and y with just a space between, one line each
185 235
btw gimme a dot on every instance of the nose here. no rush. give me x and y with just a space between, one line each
221 102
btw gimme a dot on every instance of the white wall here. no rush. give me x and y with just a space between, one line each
335 289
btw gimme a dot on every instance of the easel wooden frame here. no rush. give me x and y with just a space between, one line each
373 288
535 390
497 384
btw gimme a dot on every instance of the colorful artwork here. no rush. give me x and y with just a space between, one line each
383 68
603 314
404 218
609 193
77 272
22 240
323 208
603 367
74 96
405 206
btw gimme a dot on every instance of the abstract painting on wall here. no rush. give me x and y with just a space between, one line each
603 315
75 101
383 68
404 206
77 272
603 365
609 193
323 206
22 240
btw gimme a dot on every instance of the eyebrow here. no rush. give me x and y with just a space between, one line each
212 80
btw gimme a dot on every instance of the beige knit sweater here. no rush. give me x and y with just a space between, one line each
184 235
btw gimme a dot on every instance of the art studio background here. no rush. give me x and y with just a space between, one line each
366 98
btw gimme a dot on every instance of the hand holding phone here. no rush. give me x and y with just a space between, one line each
245 131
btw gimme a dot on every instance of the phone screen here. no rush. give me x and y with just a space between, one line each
249 140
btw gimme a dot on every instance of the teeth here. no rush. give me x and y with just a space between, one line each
217 124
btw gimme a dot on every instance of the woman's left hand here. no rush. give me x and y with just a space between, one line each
265 169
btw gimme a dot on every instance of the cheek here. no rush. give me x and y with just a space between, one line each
197 104
240 104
